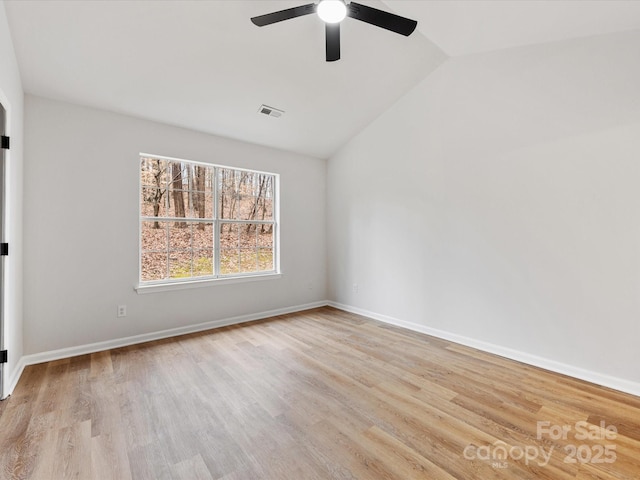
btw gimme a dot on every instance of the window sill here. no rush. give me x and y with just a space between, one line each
210 282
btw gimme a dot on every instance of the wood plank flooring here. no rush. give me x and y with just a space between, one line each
321 394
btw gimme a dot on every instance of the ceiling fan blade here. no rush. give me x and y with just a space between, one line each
281 15
332 31
379 18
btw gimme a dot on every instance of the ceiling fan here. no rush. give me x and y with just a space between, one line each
332 12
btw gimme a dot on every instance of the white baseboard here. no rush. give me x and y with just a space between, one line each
615 383
147 337
13 379
609 381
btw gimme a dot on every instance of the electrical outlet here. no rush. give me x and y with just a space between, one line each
355 288
122 310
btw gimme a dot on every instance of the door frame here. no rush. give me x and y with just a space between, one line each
3 232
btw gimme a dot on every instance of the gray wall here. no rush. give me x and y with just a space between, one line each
82 255
498 202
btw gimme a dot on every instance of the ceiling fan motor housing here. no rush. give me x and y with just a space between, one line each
333 18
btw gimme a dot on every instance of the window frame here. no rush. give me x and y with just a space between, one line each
148 286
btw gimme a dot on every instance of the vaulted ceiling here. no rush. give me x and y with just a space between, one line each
203 65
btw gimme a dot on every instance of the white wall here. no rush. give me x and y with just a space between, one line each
499 202
82 256
11 97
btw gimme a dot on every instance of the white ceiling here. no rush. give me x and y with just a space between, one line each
203 65
461 27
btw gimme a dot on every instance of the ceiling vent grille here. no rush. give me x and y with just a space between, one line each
272 112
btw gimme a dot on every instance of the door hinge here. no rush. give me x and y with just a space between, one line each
4 249
5 142
4 358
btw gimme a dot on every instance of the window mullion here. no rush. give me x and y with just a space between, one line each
257 247
166 235
216 224
191 234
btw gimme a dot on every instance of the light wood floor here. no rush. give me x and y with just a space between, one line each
318 395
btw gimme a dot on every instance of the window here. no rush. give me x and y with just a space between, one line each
200 221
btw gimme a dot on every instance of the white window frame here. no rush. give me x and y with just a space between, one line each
151 286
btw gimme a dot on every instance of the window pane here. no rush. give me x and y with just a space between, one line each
201 188
178 204
180 236
247 236
203 249
265 247
245 207
248 260
199 204
153 257
153 202
246 248
226 193
190 249
202 262
229 261
191 190
263 197
229 233
154 236
153 266
180 264
153 172
266 212
202 236
265 259
178 175
245 195
265 236
229 253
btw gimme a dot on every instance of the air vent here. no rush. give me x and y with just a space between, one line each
272 112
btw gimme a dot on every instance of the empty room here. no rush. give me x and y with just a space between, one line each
321 239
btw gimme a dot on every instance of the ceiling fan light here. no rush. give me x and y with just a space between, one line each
332 11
